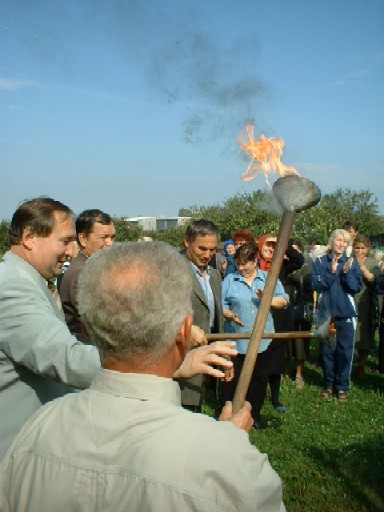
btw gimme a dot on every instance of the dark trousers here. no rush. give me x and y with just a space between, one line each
381 343
337 360
381 333
257 387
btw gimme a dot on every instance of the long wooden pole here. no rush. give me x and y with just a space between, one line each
264 309
221 336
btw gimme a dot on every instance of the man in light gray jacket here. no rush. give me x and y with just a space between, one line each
35 343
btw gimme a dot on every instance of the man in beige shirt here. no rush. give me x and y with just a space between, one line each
126 443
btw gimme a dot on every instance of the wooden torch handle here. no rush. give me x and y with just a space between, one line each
222 336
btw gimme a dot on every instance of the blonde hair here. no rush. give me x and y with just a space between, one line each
336 233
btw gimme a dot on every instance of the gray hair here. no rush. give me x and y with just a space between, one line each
133 299
335 234
201 227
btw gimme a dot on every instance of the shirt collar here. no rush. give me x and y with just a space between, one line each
238 277
197 270
137 386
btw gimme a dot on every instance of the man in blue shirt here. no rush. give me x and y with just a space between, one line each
200 242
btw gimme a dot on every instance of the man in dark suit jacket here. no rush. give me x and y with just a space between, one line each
94 231
200 242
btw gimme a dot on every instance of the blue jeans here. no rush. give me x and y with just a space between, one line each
338 361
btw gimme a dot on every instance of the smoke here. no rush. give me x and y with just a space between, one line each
268 203
194 67
211 78
180 62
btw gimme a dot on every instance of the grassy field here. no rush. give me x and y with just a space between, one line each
329 455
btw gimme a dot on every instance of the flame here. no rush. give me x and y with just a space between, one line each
265 155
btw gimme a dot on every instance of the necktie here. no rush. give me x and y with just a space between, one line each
52 286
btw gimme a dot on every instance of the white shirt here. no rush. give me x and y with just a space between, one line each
126 444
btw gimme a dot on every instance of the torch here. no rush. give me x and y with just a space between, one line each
294 193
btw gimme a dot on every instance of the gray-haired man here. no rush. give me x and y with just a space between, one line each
200 242
126 443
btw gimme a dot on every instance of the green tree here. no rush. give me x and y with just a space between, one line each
126 232
4 244
172 236
316 224
185 212
260 213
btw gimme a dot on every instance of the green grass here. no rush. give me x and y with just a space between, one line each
329 455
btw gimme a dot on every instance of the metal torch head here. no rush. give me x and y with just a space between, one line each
296 193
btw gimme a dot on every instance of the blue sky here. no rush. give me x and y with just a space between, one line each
135 106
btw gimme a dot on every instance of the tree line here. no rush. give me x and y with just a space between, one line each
260 213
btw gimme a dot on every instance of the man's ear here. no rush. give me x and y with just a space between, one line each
27 238
185 243
184 335
82 240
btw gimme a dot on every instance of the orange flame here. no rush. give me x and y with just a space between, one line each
265 155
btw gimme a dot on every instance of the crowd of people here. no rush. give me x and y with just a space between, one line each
129 328
336 292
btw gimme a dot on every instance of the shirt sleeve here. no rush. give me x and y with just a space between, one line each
295 260
280 292
33 336
322 277
352 281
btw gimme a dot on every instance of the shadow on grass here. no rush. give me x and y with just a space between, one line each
314 376
357 470
371 381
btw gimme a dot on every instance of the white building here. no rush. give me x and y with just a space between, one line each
158 223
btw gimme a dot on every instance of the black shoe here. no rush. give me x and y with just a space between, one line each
279 407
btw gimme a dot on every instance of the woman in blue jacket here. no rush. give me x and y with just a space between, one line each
337 279
241 293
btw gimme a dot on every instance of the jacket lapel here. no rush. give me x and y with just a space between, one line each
197 289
